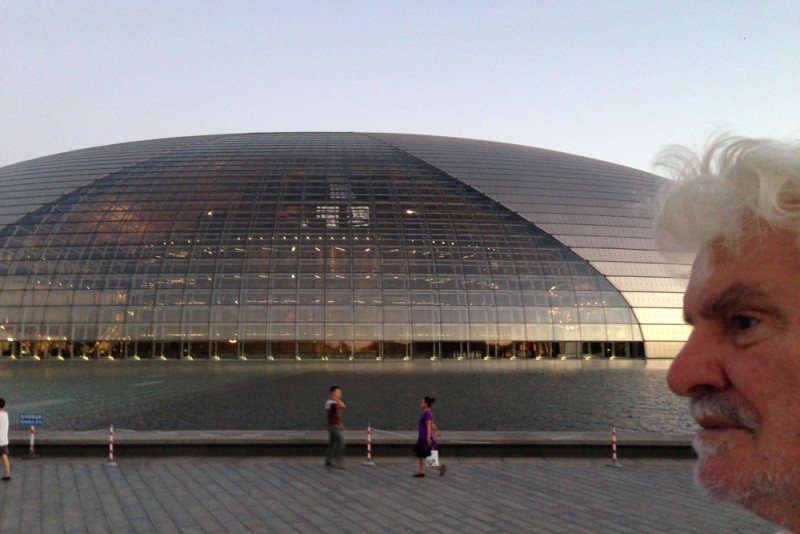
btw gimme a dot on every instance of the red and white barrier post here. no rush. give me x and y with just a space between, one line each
614 461
31 452
111 461
369 447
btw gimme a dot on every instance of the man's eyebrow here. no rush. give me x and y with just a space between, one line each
734 297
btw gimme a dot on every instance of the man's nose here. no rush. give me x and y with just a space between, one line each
698 368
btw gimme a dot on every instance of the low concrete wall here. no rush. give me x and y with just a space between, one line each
155 444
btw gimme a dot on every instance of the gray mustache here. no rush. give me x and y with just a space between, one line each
721 405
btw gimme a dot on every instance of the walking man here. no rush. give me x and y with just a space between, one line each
334 454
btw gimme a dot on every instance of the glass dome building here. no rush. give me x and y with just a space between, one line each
332 245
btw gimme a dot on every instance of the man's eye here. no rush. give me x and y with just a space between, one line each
741 323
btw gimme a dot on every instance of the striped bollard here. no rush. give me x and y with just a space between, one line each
31 453
369 447
614 461
111 462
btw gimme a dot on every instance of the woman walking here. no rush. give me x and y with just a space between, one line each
426 439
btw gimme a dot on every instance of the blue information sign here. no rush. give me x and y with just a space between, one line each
31 419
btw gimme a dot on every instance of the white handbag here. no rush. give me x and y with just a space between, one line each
433 459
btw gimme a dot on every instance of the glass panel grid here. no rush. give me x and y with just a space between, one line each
286 237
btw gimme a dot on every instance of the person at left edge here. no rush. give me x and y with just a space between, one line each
4 440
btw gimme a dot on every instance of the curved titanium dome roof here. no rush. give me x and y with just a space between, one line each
332 245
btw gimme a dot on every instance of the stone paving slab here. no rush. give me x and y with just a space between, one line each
299 495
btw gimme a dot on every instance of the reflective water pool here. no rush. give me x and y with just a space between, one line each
520 395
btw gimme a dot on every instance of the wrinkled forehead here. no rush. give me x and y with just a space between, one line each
760 249
744 242
702 265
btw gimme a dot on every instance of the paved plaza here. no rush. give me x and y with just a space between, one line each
192 494
201 448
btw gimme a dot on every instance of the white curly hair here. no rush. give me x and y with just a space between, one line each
713 195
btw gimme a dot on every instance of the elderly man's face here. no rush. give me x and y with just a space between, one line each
741 369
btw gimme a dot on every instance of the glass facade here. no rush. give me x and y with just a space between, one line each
330 245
